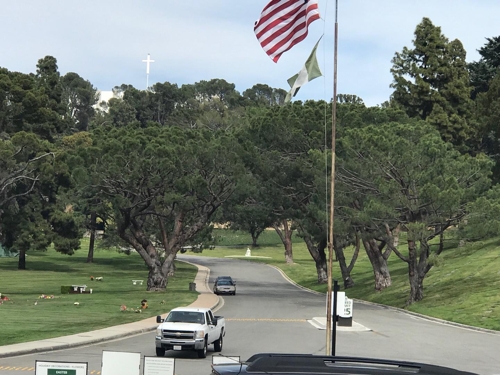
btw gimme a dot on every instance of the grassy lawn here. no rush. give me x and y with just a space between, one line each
462 287
28 317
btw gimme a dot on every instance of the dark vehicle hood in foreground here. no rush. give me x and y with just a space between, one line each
274 363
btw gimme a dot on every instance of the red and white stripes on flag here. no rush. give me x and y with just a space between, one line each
283 24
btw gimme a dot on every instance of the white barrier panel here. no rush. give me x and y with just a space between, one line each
159 366
120 363
60 368
223 360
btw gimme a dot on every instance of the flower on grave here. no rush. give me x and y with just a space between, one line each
91 277
144 304
123 308
76 303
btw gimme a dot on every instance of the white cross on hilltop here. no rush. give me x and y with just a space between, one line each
147 61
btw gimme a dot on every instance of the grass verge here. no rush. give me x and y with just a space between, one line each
27 317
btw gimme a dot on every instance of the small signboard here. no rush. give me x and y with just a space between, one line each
346 312
60 368
344 305
344 309
120 363
159 366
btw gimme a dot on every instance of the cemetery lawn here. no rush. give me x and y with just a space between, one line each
27 315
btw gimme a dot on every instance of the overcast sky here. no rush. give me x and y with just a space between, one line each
105 41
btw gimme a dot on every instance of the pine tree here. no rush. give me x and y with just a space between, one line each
431 82
482 72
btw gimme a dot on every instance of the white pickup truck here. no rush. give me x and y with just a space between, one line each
187 328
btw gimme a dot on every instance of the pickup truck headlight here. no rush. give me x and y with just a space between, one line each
199 334
158 331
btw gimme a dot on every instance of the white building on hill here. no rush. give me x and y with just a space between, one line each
105 97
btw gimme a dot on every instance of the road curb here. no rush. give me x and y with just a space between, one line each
74 345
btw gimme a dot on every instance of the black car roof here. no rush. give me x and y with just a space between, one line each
273 363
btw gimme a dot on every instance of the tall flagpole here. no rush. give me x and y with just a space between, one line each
330 345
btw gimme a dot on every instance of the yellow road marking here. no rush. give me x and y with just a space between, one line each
265 320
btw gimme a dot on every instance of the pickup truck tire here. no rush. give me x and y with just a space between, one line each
218 344
160 352
202 353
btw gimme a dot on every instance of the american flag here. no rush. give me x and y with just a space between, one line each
283 24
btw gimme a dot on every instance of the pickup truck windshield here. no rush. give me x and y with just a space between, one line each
186 317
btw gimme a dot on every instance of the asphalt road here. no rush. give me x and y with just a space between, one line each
269 314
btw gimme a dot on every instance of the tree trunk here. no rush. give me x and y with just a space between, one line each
288 251
344 269
418 267
255 232
21 265
254 239
286 238
416 282
395 235
157 277
379 264
90 255
319 256
157 281
171 269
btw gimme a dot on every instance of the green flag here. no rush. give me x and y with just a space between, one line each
309 71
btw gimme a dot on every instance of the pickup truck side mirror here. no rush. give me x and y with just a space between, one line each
159 319
215 321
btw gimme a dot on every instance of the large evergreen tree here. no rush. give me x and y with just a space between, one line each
431 82
482 71
161 186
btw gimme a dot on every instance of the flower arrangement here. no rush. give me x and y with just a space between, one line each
44 296
144 305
